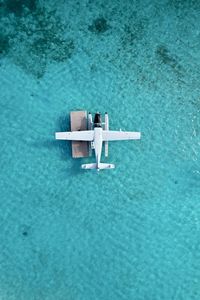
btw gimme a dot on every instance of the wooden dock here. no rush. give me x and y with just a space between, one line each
78 120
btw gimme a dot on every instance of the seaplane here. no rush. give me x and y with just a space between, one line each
88 134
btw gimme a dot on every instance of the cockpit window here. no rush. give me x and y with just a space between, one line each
97 120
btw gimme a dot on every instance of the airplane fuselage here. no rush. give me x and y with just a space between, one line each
98 141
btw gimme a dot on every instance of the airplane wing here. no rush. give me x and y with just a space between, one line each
87 135
109 135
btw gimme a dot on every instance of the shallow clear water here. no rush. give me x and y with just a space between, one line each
128 233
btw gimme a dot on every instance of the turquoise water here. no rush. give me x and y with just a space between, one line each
128 233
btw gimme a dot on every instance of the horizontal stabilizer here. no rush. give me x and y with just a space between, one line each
100 166
89 166
106 166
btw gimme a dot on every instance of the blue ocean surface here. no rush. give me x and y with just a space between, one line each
131 233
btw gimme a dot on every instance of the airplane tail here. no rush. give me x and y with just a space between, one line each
100 166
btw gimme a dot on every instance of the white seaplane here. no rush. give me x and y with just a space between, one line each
98 133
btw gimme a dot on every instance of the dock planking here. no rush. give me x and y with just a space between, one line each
78 120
